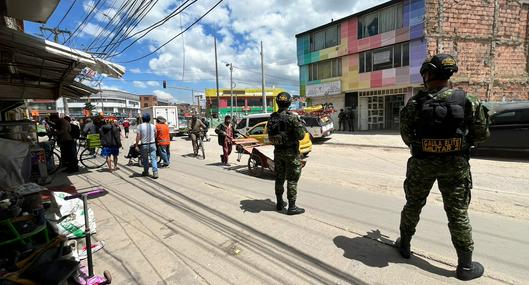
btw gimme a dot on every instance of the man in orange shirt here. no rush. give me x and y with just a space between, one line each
163 140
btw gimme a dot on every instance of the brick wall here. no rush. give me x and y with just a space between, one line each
493 65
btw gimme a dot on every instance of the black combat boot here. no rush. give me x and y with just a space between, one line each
280 203
293 209
404 246
466 268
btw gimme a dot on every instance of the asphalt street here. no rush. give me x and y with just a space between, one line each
204 223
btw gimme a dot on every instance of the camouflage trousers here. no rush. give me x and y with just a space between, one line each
287 166
455 181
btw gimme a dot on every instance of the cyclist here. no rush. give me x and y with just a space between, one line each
196 129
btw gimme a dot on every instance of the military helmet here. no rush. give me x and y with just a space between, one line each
441 66
283 99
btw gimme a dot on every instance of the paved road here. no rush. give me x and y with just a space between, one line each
202 223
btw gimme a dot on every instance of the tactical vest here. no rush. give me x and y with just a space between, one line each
440 124
280 132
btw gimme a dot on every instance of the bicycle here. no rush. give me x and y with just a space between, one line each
200 144
53 157
91 157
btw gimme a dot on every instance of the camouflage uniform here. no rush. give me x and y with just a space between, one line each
287 160
451 172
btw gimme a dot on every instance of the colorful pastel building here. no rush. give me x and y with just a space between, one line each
245 101
368 61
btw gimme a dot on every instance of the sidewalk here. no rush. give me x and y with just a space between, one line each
386 139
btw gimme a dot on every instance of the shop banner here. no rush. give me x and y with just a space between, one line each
324 89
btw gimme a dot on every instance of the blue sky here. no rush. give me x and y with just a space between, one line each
188 61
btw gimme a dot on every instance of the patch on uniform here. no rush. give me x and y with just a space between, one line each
442 145
448 62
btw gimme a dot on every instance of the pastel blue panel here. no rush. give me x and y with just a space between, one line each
418 53
406 13
417 31
417 12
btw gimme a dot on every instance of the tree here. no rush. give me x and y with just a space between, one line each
89 107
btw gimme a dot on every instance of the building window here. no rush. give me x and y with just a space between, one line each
325 69
384 58
145 104
381 21
325 38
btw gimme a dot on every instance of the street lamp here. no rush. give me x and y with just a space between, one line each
230 65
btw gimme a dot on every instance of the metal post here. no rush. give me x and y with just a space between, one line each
263 79
217 78
231 87
101 98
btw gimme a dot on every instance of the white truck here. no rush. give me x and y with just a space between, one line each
170 113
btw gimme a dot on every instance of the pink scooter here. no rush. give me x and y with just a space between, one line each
87 276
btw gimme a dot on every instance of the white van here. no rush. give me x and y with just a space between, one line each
251 120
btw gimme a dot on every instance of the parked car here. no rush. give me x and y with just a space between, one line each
251 120
318 127
509 129
260 133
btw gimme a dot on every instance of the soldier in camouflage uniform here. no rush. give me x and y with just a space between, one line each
440 125
284 131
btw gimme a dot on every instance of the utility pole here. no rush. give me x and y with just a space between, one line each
217 78
263 79
56 32
230 65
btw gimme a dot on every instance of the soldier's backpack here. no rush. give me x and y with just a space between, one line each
278 128
75 131
441 122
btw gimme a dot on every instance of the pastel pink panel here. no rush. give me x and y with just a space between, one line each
388 38
363 44
223 103
376 79
388 77
375 41
402 35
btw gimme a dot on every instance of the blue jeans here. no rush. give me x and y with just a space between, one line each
165 154
149 151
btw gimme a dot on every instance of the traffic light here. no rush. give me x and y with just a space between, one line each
164 83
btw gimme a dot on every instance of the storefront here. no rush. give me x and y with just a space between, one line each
380 109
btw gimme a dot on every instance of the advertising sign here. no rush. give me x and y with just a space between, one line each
324 89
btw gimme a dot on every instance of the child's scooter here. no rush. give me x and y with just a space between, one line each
87 276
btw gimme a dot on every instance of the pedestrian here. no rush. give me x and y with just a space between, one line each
206 129
341 120
111 143
349 116
284 131
89 127
196 130
226 132
62 129
126 126
440 124
163 140
146 144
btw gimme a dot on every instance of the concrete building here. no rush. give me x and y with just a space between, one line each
152 100
110 102
370 61
245 101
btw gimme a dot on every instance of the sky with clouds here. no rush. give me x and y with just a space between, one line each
189 60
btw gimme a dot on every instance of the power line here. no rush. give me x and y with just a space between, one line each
67 12
156 26
186 29
83 21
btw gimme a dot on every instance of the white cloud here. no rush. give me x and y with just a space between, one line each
139 84
241 25
135 70
164 95
153 83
